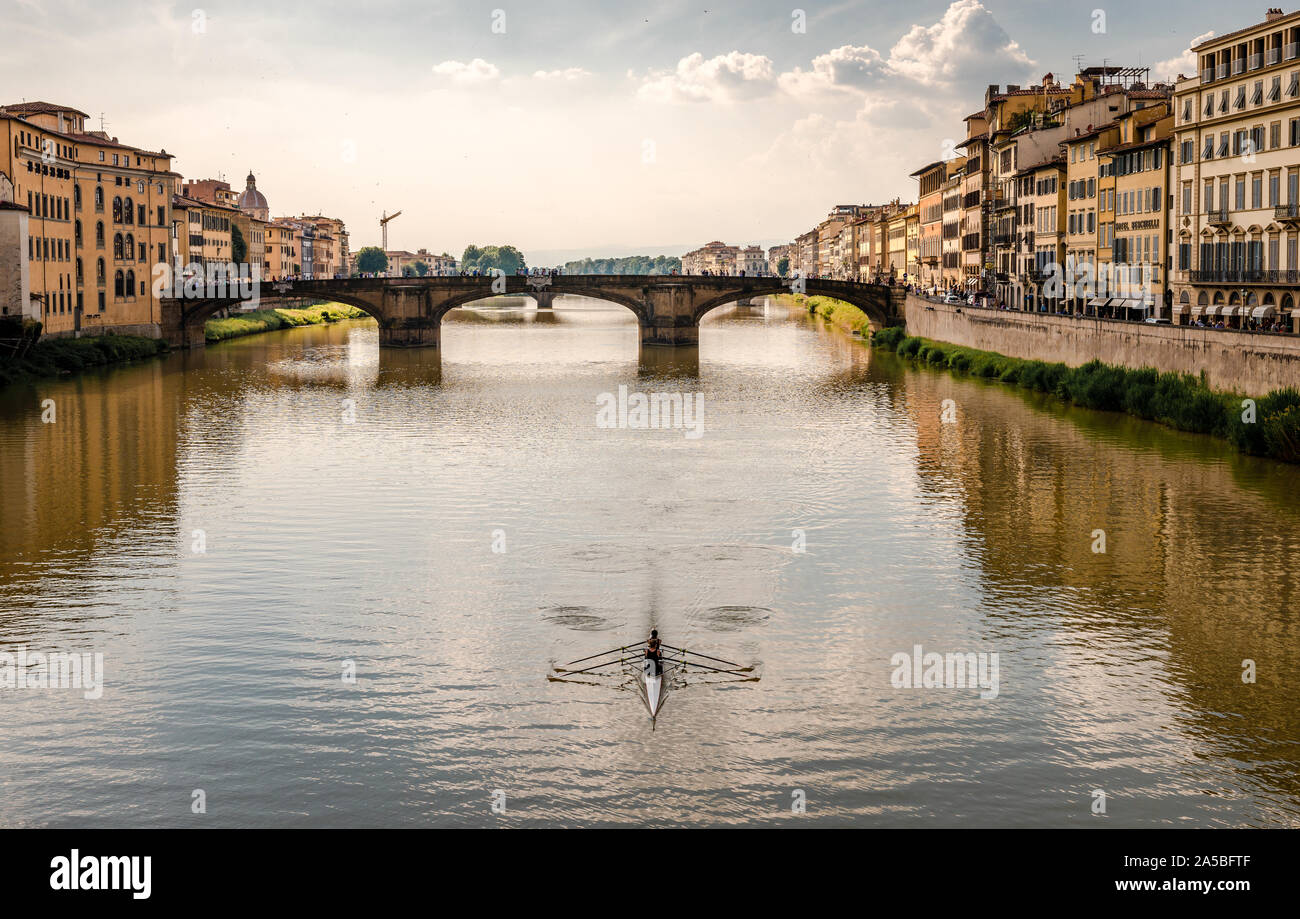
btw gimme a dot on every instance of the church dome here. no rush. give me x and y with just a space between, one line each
252 199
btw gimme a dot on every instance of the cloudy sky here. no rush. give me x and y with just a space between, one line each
578 126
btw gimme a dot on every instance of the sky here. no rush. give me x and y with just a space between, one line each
568 128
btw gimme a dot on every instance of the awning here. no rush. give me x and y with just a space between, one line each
1212 310
1098 301
1180 308
1198 310
1229 310
1263 312
1131 304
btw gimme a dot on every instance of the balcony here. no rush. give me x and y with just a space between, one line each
1287 212
1291 51
1245 276
1272 56
1256 61
1219 217
1221 72
1207 75
1004 240
1238 65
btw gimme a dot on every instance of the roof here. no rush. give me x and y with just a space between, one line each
929 167
1219 39
41 108
12 206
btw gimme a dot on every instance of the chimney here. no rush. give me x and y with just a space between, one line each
1273 13
1048 79
1013 87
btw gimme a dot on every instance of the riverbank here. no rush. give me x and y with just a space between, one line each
843 315
1267 426
53 357
259 321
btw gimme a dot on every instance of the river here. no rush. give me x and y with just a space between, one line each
239 531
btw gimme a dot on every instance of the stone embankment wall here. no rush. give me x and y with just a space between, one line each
1233 361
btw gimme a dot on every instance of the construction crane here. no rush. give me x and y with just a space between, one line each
383 226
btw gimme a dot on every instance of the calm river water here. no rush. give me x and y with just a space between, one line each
348 502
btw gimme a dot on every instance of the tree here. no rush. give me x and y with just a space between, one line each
238 248
507 258
372 260
421 268
783 265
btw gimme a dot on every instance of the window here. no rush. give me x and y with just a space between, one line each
99 234
1275 135
1257 191
119 284
128 211
99 270
1274 188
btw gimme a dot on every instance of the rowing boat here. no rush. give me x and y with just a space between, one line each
652 683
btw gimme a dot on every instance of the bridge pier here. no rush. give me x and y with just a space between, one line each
670 335
545 299
411 333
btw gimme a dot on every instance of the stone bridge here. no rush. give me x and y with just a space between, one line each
410 310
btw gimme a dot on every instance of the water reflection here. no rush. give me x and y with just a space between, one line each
350 499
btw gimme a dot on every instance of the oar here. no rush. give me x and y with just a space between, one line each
593 666
605 653
707 657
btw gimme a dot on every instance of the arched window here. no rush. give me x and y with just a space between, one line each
1287 302
118 282
99 234
130 283
79 277
76 232
1183 298
76 196
130 246
1203 299
117 246
99 271
117 210
128 211
99 198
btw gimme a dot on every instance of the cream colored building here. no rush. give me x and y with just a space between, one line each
1237 178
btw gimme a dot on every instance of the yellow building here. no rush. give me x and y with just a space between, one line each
99 220
203 236
282 259
1134 276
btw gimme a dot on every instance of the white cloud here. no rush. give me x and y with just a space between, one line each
462 74
726 78
567 75
1186 63
966 48
848 67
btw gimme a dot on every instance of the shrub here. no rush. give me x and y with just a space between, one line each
1275 429
1096 385
909 346
959 360
889 337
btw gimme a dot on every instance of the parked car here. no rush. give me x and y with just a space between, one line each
952 298
1156 320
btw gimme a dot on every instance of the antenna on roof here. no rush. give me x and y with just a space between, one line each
102 124
1078 62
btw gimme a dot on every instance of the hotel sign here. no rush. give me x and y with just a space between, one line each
1137 225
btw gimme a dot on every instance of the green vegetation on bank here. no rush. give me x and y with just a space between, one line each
53 357
845 315
1180 401
271 320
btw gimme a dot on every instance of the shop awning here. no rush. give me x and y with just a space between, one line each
1230 311
1098 301
1212 310
1263 312
1180 308
1198 310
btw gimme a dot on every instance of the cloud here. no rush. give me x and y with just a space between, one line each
967 47
567 75
848 67
462 74
730 77
1186 63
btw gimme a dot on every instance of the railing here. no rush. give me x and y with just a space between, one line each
1286 212
1256 61
1291 51
1207 75
1219 216
1221 72
1238 65
1272 55
1246 276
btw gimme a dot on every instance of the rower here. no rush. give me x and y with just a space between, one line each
653 652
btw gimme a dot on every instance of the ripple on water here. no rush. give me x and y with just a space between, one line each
579 619
731 618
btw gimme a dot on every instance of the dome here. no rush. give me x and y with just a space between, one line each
252 199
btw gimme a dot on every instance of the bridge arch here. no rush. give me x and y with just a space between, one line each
637 307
